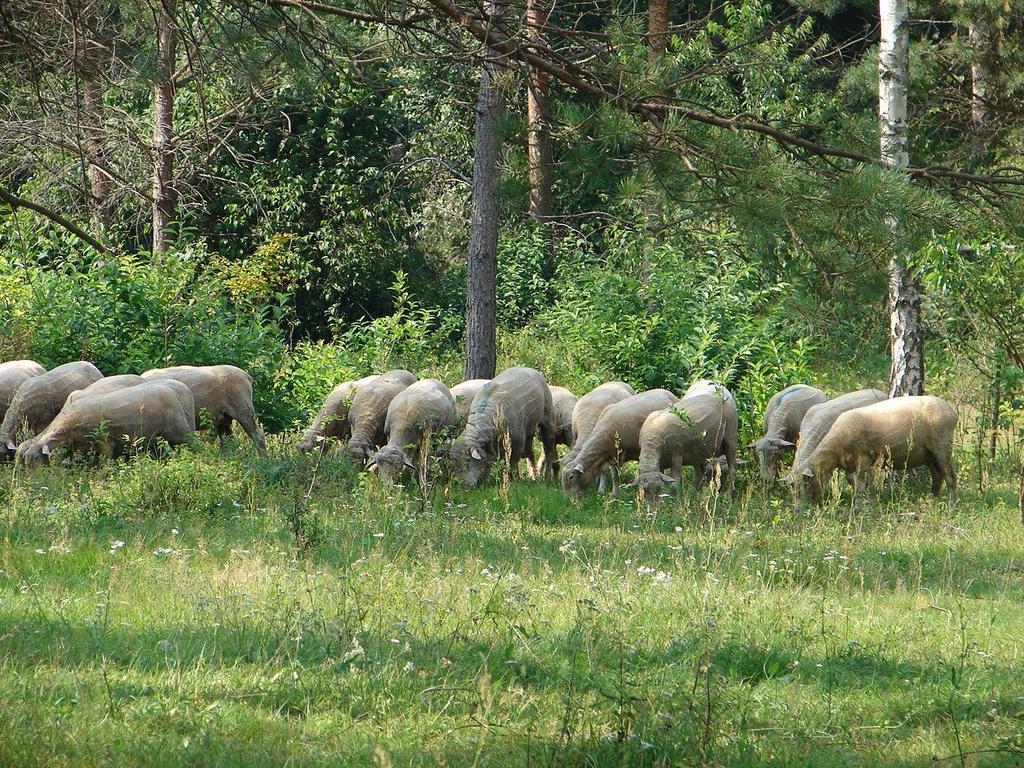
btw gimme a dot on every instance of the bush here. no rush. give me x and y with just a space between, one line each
127 314
704 312
413 337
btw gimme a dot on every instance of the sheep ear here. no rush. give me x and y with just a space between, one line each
46 450
633 484
11 446
372 466
475 453
667 478
410 466
808 472
786 444
578 467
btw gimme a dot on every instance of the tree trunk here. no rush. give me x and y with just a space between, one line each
906 338
165 196
481 318
92 59
538 119
657 45
983 36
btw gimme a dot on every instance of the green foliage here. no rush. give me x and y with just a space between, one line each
130 313
705 312
413 337
524 257
322 168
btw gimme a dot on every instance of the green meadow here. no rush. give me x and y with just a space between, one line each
216 609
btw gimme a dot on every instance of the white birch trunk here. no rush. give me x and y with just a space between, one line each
906 338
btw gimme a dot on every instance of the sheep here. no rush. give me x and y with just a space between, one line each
902 433
420 410
12 375
692 432
615 439
563 403
105 385
586 413
108 423
707 387
39 399
224 392
506 414
463 395
331 421
369 411
782 418
819 420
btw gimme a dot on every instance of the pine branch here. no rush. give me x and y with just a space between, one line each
480 26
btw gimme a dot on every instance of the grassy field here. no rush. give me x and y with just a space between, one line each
201 611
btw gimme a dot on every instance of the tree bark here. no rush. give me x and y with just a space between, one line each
481 317
657 45
92 56
538 119
165 196
906 337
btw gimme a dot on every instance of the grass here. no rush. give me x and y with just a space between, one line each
242 623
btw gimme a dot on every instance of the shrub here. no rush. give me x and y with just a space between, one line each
131 313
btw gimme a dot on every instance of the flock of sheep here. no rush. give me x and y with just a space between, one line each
387 422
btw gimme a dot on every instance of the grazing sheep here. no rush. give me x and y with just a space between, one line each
224 392
506 414
418 411
693 432
332 420
104 386
463 395
819 420
39 399
12 375
108 423
563 403
707 387
615 439
902 433
369 411
586 413
782 420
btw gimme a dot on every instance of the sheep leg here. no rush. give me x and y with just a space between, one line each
677 473
549 443
699 470
531 459
602 483
730 458
614 471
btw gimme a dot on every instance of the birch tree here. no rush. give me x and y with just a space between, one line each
906 338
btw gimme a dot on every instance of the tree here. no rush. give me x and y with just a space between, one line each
538 118
984 40
906 336
481 314
165 196
92 53
657 45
